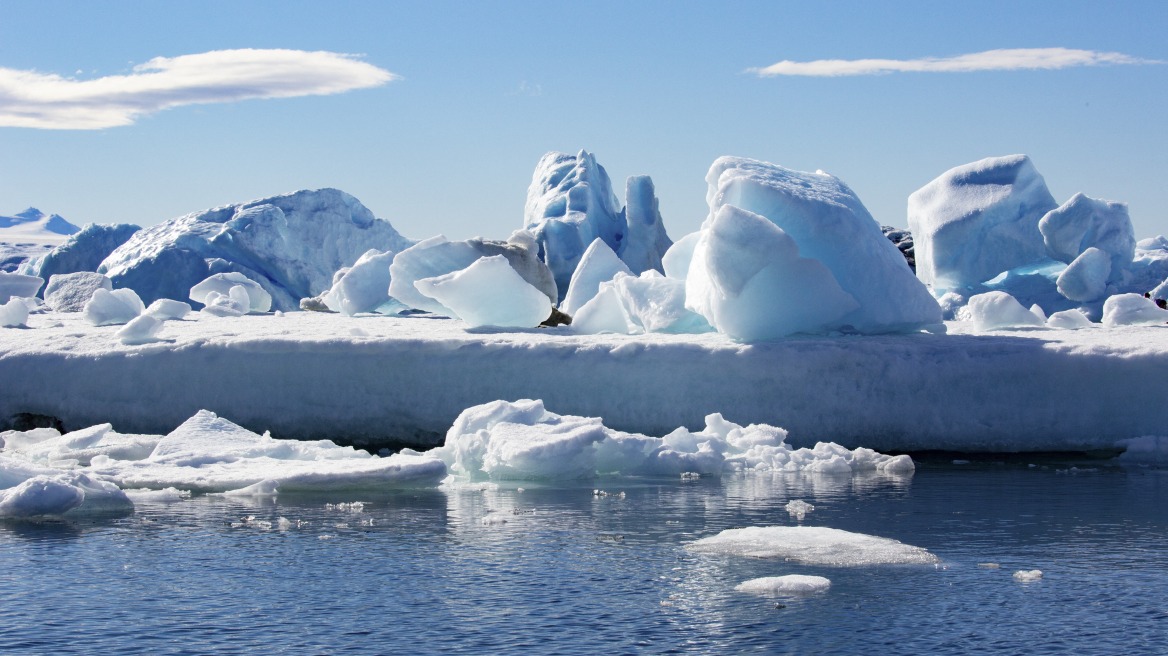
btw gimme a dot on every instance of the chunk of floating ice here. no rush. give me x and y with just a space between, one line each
522 441
28 491
791 584
165 495
799 508
989 566
1028 575
813 546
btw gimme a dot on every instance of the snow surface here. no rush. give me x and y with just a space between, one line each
290 244
521 440
813 546
790 584
406 379
977 220
827 223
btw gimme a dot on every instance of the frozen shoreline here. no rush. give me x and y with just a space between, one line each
374 380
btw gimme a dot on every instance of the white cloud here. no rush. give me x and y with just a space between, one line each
30 99
991 60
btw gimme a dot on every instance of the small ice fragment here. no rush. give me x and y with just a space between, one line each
491 519
799 508
989 566
167 309
283 523
113 307
690 476
13 314
265 488
1028 575
255 298
142 329
790 584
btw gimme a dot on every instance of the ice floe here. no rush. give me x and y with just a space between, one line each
790 584
813 546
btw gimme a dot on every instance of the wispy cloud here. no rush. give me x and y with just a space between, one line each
991 60
30 99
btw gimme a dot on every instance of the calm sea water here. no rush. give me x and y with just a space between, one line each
569 572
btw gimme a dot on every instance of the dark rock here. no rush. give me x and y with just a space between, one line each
903 240
557 318
25 421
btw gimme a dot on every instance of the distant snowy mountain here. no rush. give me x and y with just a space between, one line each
30 234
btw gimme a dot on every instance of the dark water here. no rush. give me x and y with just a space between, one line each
572 573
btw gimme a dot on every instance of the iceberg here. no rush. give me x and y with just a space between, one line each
977 220
570 203
824 220
489 293
438 256
290 244
1083 223
84 251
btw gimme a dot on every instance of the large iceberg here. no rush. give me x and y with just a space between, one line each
820 219
290 244
84 251
570 203
977 220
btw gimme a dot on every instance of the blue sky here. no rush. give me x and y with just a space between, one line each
481 90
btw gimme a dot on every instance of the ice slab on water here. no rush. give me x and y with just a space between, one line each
28 491
791 584
977 220
522 440
813 546
489 293
1028 575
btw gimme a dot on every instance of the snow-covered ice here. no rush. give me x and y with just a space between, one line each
1085 279
827 223
977 220
142 329
13 314
106 308
1082 223
488 293
813 546
257 299
790 584
167 309
1069 320
406 379
83 251
69 292
1132 309
1028 575
994 310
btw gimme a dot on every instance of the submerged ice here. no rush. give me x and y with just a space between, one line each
813 546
